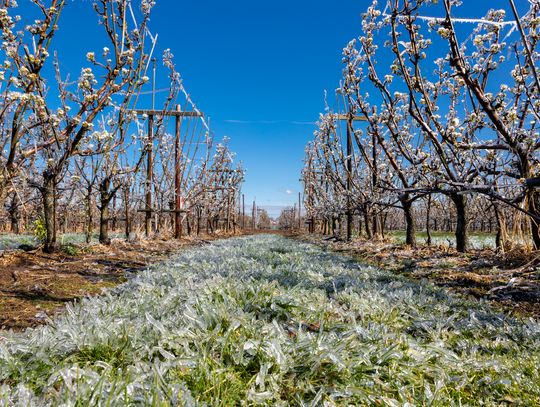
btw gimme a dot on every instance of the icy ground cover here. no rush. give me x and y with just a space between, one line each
80 238
266 320
477 241
10 241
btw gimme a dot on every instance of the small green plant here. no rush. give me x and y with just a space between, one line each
71 249
40 231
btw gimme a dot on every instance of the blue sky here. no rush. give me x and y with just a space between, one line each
257 69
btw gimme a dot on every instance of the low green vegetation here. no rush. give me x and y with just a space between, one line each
69 242
477 240
11 241
265 320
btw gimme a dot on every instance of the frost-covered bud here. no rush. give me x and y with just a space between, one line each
443 32
512 115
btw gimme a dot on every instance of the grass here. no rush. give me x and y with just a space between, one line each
69 241
268 321
10 241
477 240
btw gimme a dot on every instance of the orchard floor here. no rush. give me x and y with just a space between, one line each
510 281
267 320
35 285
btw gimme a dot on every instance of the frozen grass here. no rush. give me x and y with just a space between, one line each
10 241
477 240
269 321
80 238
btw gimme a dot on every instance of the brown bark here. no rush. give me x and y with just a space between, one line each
410 234
48 192
462 222
105 198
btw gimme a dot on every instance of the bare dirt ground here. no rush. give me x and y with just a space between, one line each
36 285
510 281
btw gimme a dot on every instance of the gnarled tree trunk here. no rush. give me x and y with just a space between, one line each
48 192
89 217
105 198
14 214
462 222
410 233
533 204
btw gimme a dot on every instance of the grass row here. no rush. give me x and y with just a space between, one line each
263 320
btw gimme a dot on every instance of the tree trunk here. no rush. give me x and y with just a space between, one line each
533 203
376 226
428 221
367 223
89 217
462 240
410 233
14 214
126 212
498 237
49 211
114 214
105 199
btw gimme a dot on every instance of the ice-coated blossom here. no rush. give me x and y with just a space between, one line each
146 6
443 32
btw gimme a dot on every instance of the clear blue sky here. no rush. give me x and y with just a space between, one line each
257 69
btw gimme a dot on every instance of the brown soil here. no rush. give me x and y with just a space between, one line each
35 286
510 282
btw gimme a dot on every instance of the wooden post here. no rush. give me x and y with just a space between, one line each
126 212
177 194
243 212
299 211
253 217
149 176
350 118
